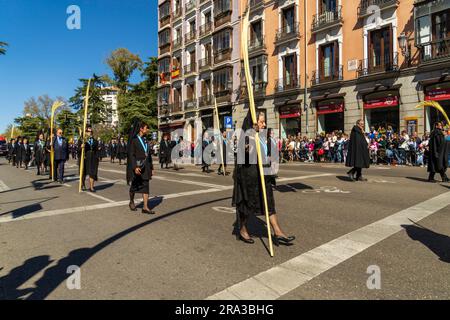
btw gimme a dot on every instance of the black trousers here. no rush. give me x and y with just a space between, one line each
59 169
442 174
356 170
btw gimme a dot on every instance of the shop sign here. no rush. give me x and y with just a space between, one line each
438 94
331 107
391 101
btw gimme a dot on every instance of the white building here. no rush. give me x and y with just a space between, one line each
110 96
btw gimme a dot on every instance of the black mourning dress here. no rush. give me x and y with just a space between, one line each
247 194
91 157
138 158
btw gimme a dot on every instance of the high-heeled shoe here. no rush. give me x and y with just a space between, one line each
132 206
245 240
148 211
283 241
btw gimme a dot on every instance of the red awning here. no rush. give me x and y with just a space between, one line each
290 115
384 102
438 94
332 107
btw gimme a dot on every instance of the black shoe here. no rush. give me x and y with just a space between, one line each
92 190
248 241
148 211
132 206
361 179
350 176
283 241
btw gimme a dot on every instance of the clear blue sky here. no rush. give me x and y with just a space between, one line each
44 57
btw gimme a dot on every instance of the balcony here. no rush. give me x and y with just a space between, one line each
175 107
287 33
190 69
164 78
222 55
164 48
435 51
223 95
190 37
259 89
256 4
378 64
320 77
327 19
205 29
190 5
257 45
222 15
177 43
364 5
205 101
190 104
164 21
205 64
287 84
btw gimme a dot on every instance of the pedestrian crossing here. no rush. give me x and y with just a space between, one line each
4 187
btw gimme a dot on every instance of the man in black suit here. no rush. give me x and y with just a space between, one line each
164 151
61 150
18 152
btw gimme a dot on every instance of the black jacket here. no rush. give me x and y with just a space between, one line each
139 159
438 152
25 152
358 150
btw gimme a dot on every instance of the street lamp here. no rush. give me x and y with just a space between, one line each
403 43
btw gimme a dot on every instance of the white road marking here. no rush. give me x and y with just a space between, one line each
280 280
304 177
3 187
99 197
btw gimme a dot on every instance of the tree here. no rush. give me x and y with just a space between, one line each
123 63
69 122
30 126
140 101
3 46
9 130
41 107
99 109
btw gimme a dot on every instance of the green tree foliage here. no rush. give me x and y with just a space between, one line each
9 130
123 63
140 101
3 46
98 109
30 126
69 122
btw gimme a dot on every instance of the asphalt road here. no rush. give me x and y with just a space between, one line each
387 238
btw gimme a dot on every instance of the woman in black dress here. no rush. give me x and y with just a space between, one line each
121 151
39 154
91 152
140 166
247 193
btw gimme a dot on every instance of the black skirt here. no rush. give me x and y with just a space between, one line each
139 185
247 195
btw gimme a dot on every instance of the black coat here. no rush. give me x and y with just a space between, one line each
39 152
122 151
164 151
113 148
61 152
18 151
137 156
25 153
358 150
438 154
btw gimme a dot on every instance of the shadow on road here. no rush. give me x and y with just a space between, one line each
292 187
344 178
19 212
57 274
438 243
103 186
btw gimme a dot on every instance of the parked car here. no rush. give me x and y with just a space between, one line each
3 148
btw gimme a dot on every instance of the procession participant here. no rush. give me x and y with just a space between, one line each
358 152
11 153
141 166
91 157
438 154
247 194
39 154
61 150
113 150
205 143
26 153
18 152
223 166
102 150
47 156
180 142
122 151
164 151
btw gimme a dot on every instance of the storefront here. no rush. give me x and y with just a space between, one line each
207 119
330 115
226 111
439 92
382 110
290 122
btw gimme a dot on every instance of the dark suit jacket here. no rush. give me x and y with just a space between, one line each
25 153
61 152
137 153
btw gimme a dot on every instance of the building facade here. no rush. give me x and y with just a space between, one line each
199 62
317 65
110 95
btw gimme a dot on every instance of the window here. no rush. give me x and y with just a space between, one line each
164 10
222 79
327 6
164 38
222 40
164 65
163 96
258 69
288 20
290 70
221 7
328 60
380 48
441 25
